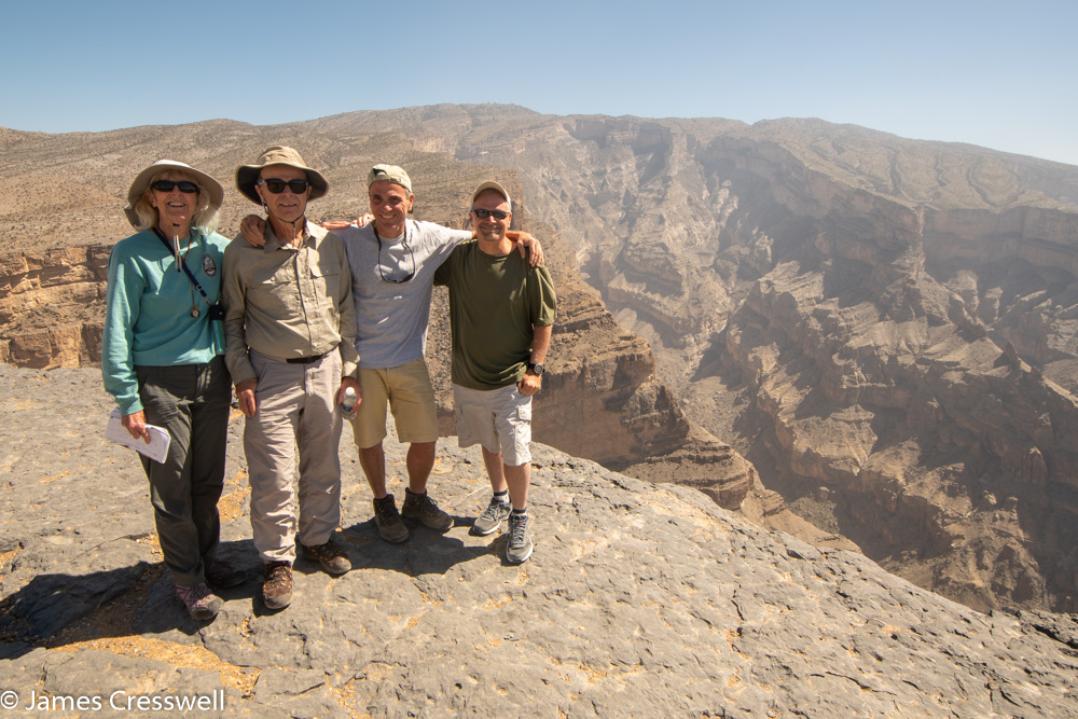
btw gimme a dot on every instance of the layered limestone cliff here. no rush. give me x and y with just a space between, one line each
919 362
47 306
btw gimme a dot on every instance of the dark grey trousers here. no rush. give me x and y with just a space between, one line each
192 402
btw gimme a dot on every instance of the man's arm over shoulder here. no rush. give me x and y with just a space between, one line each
441 235
440 241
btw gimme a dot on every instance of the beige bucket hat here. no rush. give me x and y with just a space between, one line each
208 185
247 175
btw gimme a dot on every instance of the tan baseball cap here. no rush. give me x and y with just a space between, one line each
497 187
389 173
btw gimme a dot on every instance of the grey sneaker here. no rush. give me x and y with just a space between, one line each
390 525
519 547
200 602
421 508
491 518
331 556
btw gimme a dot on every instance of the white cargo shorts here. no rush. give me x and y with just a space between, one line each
499 419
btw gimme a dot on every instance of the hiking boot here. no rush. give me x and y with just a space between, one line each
331 556
421 508
390 525
519 547
491 518
221 575
277 585
201 603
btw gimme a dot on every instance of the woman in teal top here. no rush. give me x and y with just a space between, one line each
163 362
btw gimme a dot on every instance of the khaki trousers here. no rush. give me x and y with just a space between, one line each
295 407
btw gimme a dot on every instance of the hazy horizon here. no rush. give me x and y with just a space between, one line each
990 74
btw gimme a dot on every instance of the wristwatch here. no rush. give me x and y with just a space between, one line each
535 368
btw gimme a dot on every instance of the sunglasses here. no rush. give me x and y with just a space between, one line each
276 185
167 186
484 214
382 274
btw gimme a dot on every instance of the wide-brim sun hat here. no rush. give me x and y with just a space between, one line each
247 175
208 185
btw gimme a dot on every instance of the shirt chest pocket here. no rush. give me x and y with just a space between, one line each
275 292
325 283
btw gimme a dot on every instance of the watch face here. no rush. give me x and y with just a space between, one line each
535 368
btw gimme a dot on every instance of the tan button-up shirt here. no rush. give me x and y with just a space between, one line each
286 301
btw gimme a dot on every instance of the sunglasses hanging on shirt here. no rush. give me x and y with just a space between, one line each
406 246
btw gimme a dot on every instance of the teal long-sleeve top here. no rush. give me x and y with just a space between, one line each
148 320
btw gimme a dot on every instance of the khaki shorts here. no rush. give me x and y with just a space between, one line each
499 419
407 391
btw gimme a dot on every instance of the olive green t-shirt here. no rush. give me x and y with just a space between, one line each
493 304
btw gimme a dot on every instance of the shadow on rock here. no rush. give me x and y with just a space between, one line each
54 610
425 552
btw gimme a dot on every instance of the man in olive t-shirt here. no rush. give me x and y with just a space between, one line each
501 313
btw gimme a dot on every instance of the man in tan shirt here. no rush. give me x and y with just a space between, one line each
290 345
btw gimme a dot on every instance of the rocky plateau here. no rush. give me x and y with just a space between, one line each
641 600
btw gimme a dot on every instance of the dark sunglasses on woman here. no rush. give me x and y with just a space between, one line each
185 186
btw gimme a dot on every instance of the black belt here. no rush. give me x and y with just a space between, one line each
306 360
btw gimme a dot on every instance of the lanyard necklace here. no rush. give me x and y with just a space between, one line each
182 262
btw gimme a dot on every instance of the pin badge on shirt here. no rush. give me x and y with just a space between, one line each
209 266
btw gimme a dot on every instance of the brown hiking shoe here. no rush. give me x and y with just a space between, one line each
390 525
331 556
421 508
277 585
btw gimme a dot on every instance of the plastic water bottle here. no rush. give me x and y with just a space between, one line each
348 402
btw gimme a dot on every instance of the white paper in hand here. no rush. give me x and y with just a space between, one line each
156 450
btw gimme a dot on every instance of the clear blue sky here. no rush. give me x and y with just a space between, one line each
999 74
